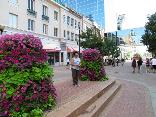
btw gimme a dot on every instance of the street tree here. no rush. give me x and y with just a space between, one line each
92 39
149 38
110 49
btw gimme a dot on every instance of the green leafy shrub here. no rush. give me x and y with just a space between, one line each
26 88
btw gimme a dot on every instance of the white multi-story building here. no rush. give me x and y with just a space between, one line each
57 26
87 24
128 51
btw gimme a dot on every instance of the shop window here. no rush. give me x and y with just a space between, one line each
51 58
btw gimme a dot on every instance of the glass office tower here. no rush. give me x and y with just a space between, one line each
94 9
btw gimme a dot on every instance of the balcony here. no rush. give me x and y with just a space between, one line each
44 17
32 12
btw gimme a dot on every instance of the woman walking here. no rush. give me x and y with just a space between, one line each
75 67
147 65
139 64
134 65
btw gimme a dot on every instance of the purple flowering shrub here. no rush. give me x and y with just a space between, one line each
26 88
92 68
21 50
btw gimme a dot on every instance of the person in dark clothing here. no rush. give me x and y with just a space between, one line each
148 65
139 62
113 62
122 61
134 64
117 62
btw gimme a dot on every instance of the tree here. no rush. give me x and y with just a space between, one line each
149 38
92 39
110 49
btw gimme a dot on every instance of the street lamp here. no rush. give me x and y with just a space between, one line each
79 40
120 19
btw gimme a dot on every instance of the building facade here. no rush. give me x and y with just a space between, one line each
57 26
128 51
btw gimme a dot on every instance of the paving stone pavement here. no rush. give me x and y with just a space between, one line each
67 92
146 79
132 100
145 82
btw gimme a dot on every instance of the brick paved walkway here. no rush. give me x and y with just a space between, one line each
132 101
67 92
146 79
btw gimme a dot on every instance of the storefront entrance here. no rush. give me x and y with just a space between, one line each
51 58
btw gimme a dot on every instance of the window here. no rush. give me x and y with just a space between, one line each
68 35
13 1
45 10
55 32
72 36
78 25
75 24
45 29
64 33
72 22
55 15
76 37
64 18
31 5
13 20
68 20
31 24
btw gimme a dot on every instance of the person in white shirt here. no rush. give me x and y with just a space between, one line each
153 62
75 67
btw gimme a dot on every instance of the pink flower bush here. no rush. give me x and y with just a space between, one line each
21 50
91 54
92 67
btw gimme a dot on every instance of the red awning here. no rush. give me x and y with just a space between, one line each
75 49
52 50
69 49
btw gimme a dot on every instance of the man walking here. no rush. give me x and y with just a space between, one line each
153 62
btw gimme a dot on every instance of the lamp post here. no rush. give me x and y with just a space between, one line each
120 19
79 41
116 37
